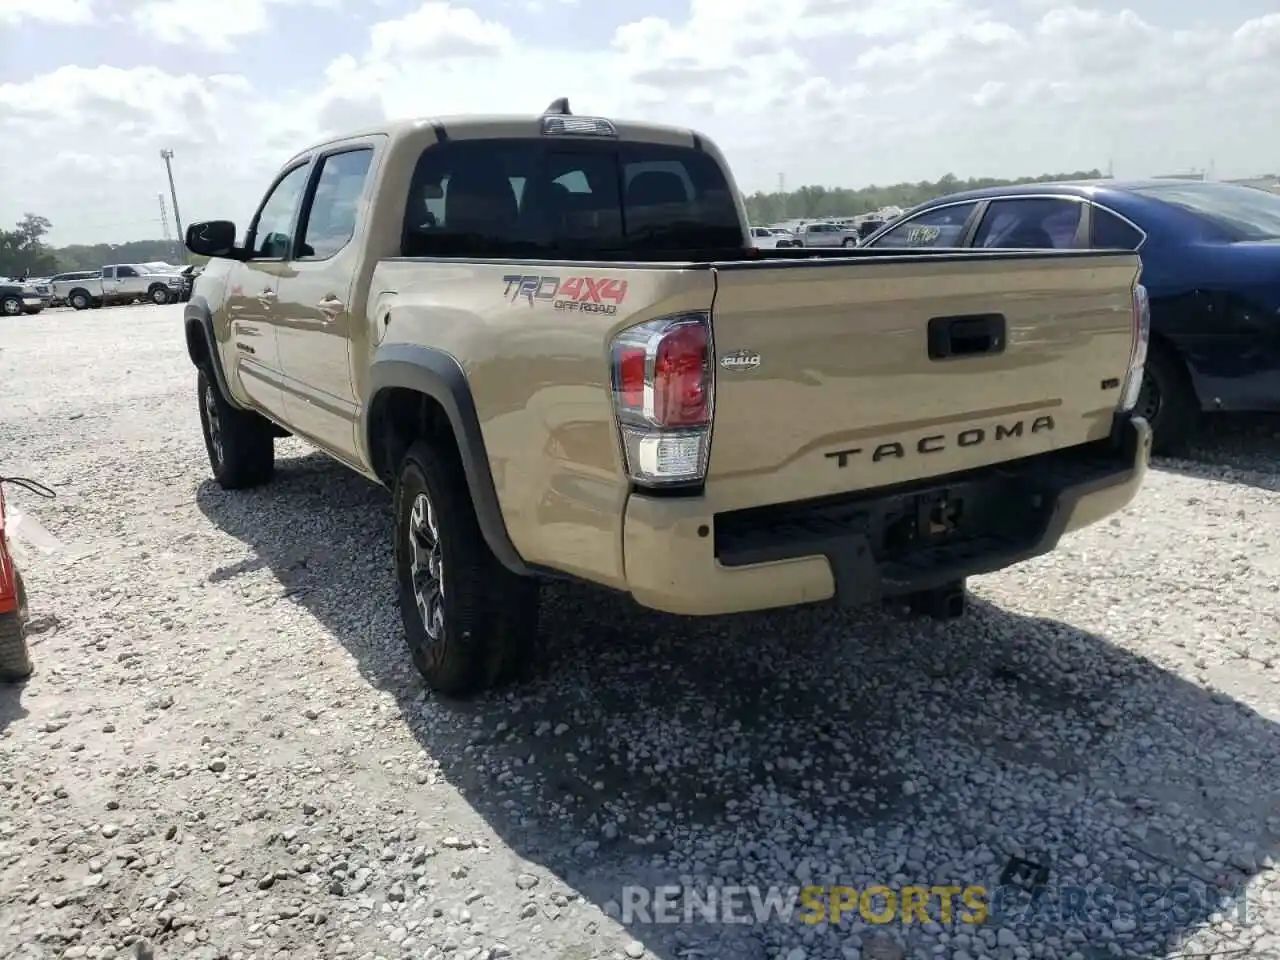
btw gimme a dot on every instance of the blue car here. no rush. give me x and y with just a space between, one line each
1210 261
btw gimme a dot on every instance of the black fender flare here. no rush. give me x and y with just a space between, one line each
438 375
197 321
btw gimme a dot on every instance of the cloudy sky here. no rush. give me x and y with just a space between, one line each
837 92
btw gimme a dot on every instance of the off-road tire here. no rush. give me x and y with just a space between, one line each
15 654
240 444
490 615
1177 410
79 300
158 294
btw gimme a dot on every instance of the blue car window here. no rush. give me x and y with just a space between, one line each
1044 223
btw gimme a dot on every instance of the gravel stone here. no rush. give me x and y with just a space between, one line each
1107 714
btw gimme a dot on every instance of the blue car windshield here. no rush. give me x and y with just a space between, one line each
1242 213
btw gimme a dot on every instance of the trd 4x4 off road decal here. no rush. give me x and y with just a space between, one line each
584 294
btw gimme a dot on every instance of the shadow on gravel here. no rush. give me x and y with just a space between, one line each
11 708
816 746
1235 448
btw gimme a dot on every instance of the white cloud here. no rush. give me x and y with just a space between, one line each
46 11
825 91
213 26
210 25
438 30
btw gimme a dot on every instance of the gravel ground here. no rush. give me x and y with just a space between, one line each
225 752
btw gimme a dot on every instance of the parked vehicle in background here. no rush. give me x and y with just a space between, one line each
189 275
767 239
1210 262
867 227
59 284
18 297
550 337
822 234
121 283
43 288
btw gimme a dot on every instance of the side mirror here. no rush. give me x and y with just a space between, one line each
211 238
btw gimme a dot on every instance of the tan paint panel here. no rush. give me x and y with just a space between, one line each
844 366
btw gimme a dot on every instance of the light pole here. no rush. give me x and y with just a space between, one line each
167 157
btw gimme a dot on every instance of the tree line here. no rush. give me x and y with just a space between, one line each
23 249
812 202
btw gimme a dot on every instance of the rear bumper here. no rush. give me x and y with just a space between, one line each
862 548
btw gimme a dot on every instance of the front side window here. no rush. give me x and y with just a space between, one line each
123 272
330 222
940 227
549 198
272 233
1039 223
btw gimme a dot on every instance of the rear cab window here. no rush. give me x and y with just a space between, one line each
568 198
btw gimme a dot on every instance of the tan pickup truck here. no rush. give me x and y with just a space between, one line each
550 337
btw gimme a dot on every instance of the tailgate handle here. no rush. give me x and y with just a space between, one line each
972 335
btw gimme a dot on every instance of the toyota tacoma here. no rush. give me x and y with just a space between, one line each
550 337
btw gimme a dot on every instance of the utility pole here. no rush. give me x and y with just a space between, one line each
164 227
167 157
164 218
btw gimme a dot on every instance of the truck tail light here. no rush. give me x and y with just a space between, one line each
1138 356
664 397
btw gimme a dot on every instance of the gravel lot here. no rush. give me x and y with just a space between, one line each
225 752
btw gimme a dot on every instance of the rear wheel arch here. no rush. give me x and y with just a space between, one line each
417 393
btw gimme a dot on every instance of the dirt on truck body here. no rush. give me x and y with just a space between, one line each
550 338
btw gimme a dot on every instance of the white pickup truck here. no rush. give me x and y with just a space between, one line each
120 283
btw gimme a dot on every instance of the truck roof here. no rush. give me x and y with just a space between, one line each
487 126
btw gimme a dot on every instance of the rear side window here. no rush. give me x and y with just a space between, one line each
533 198
330 220
943 227
1112 233
1042 223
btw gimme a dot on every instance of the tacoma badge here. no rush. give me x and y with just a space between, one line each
740 360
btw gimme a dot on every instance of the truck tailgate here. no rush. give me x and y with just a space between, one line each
825 381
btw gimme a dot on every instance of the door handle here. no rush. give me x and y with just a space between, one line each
331 306
973 335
